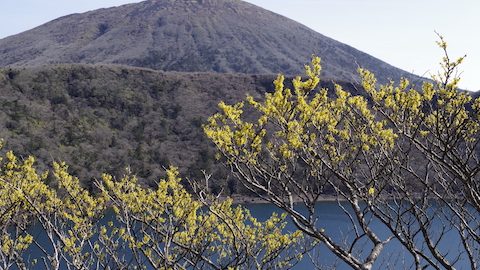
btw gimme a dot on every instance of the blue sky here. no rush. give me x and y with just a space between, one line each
398 32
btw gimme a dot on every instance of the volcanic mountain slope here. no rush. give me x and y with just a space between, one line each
189 35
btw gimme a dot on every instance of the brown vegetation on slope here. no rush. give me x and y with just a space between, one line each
105 118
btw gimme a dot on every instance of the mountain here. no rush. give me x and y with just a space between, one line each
132 85
226 36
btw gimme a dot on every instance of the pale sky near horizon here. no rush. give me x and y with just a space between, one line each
401 33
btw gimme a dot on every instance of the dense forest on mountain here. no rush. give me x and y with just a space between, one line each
105 118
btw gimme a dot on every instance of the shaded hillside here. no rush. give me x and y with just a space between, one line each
105 118
197 35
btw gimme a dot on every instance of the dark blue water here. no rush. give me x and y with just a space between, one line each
334 221
337 224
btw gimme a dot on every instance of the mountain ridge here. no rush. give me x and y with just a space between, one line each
202 35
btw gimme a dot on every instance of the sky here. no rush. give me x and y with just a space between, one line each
401 33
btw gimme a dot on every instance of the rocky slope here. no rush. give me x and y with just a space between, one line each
189 35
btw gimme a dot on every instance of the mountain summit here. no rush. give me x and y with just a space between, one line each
227 36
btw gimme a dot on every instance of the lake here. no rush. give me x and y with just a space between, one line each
338 226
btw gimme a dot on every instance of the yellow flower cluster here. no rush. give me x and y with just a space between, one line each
167 225
303 120
221 229
438 110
